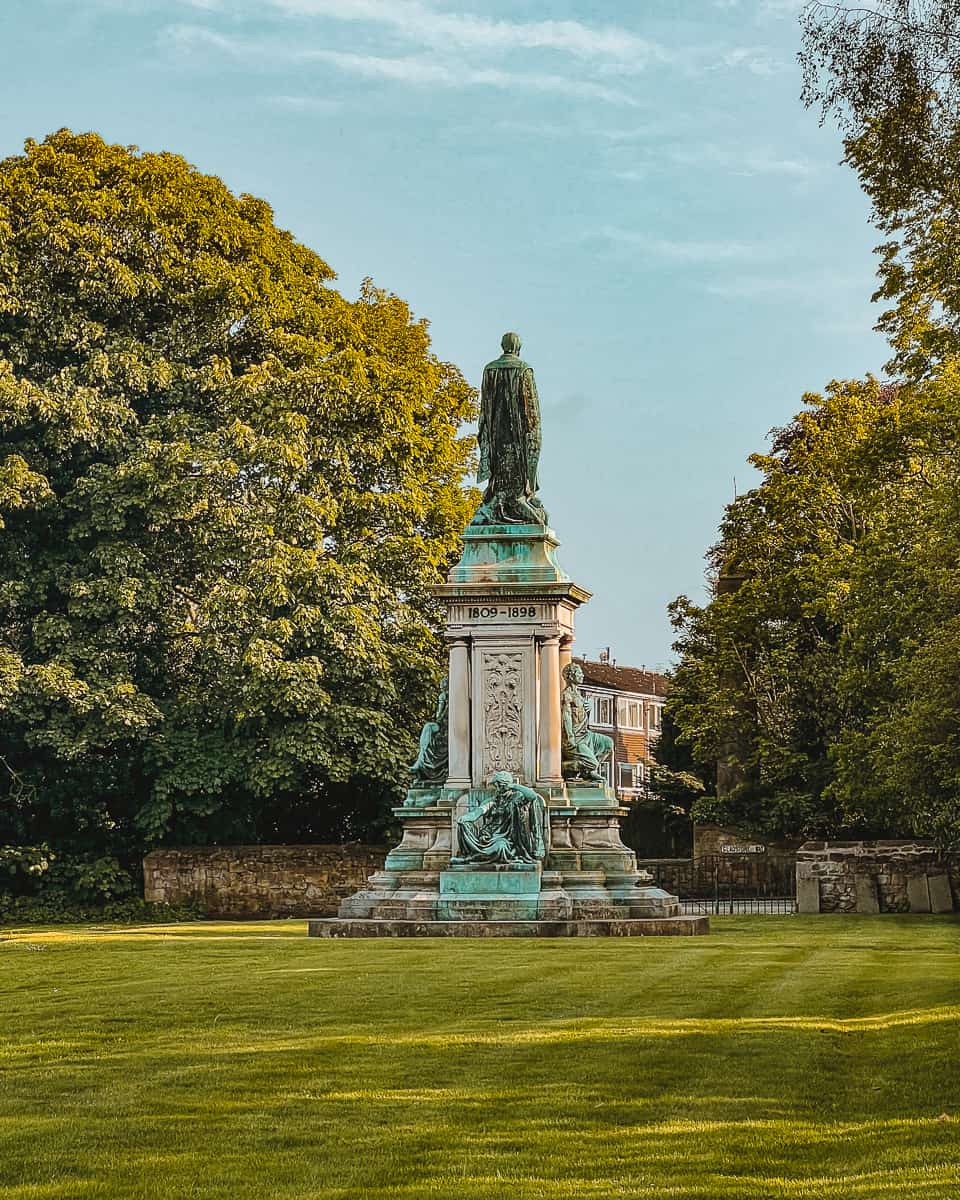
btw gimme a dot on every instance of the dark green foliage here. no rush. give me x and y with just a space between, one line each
225 492
658 825
63 908
42 886
825 682
889 72
824 674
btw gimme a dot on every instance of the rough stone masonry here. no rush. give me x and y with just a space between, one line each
259 881
880 876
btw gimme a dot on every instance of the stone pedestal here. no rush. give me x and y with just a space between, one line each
489 893
510 629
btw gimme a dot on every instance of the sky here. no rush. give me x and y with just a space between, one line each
634 187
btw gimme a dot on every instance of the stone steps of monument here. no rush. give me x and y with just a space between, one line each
676 926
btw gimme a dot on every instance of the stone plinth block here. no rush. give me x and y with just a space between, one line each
651 902
509 554
467 880
423 797
426 839
591 795
489 908
664 927
508 893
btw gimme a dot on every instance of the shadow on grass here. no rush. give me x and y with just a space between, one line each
161 1067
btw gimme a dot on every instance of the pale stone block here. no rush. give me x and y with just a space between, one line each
808 889
941 897
918 894
867 899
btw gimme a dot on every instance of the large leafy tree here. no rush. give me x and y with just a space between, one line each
889 73
823 673
756 688
226 491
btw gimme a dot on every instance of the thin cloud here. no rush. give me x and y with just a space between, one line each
780 8
410 71
758 60
740 161
311 104
420 71
813 288
416 21
681 251
466 51
129 8
187 39
609 49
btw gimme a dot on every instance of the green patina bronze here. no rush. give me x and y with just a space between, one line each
582 749
507 827
430 766
509 438
472 881
515 855
511 554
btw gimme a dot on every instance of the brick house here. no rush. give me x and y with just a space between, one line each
627 705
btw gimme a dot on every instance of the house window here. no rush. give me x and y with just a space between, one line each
602 710
629 713
655 711
628 776
606 770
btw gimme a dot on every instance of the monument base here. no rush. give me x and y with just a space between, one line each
510 623
588 873
341 927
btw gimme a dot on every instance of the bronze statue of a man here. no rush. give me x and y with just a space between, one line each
509 437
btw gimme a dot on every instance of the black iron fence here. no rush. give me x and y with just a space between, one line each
718 883
723 904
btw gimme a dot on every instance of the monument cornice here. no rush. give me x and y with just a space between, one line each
546 592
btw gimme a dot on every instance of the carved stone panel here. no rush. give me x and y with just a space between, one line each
503 692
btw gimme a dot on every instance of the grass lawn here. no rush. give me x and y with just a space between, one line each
778 1057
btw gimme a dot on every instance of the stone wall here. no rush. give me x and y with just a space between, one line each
869 877
260 881
729 877
672 874
727 841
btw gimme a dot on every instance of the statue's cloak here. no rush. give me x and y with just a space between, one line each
509 430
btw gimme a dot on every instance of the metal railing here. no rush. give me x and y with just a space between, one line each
732 907
731 884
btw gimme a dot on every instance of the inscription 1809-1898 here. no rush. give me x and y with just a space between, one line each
508 612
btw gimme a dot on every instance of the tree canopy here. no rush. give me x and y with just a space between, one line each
822 674
226 491
815 671
889 73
